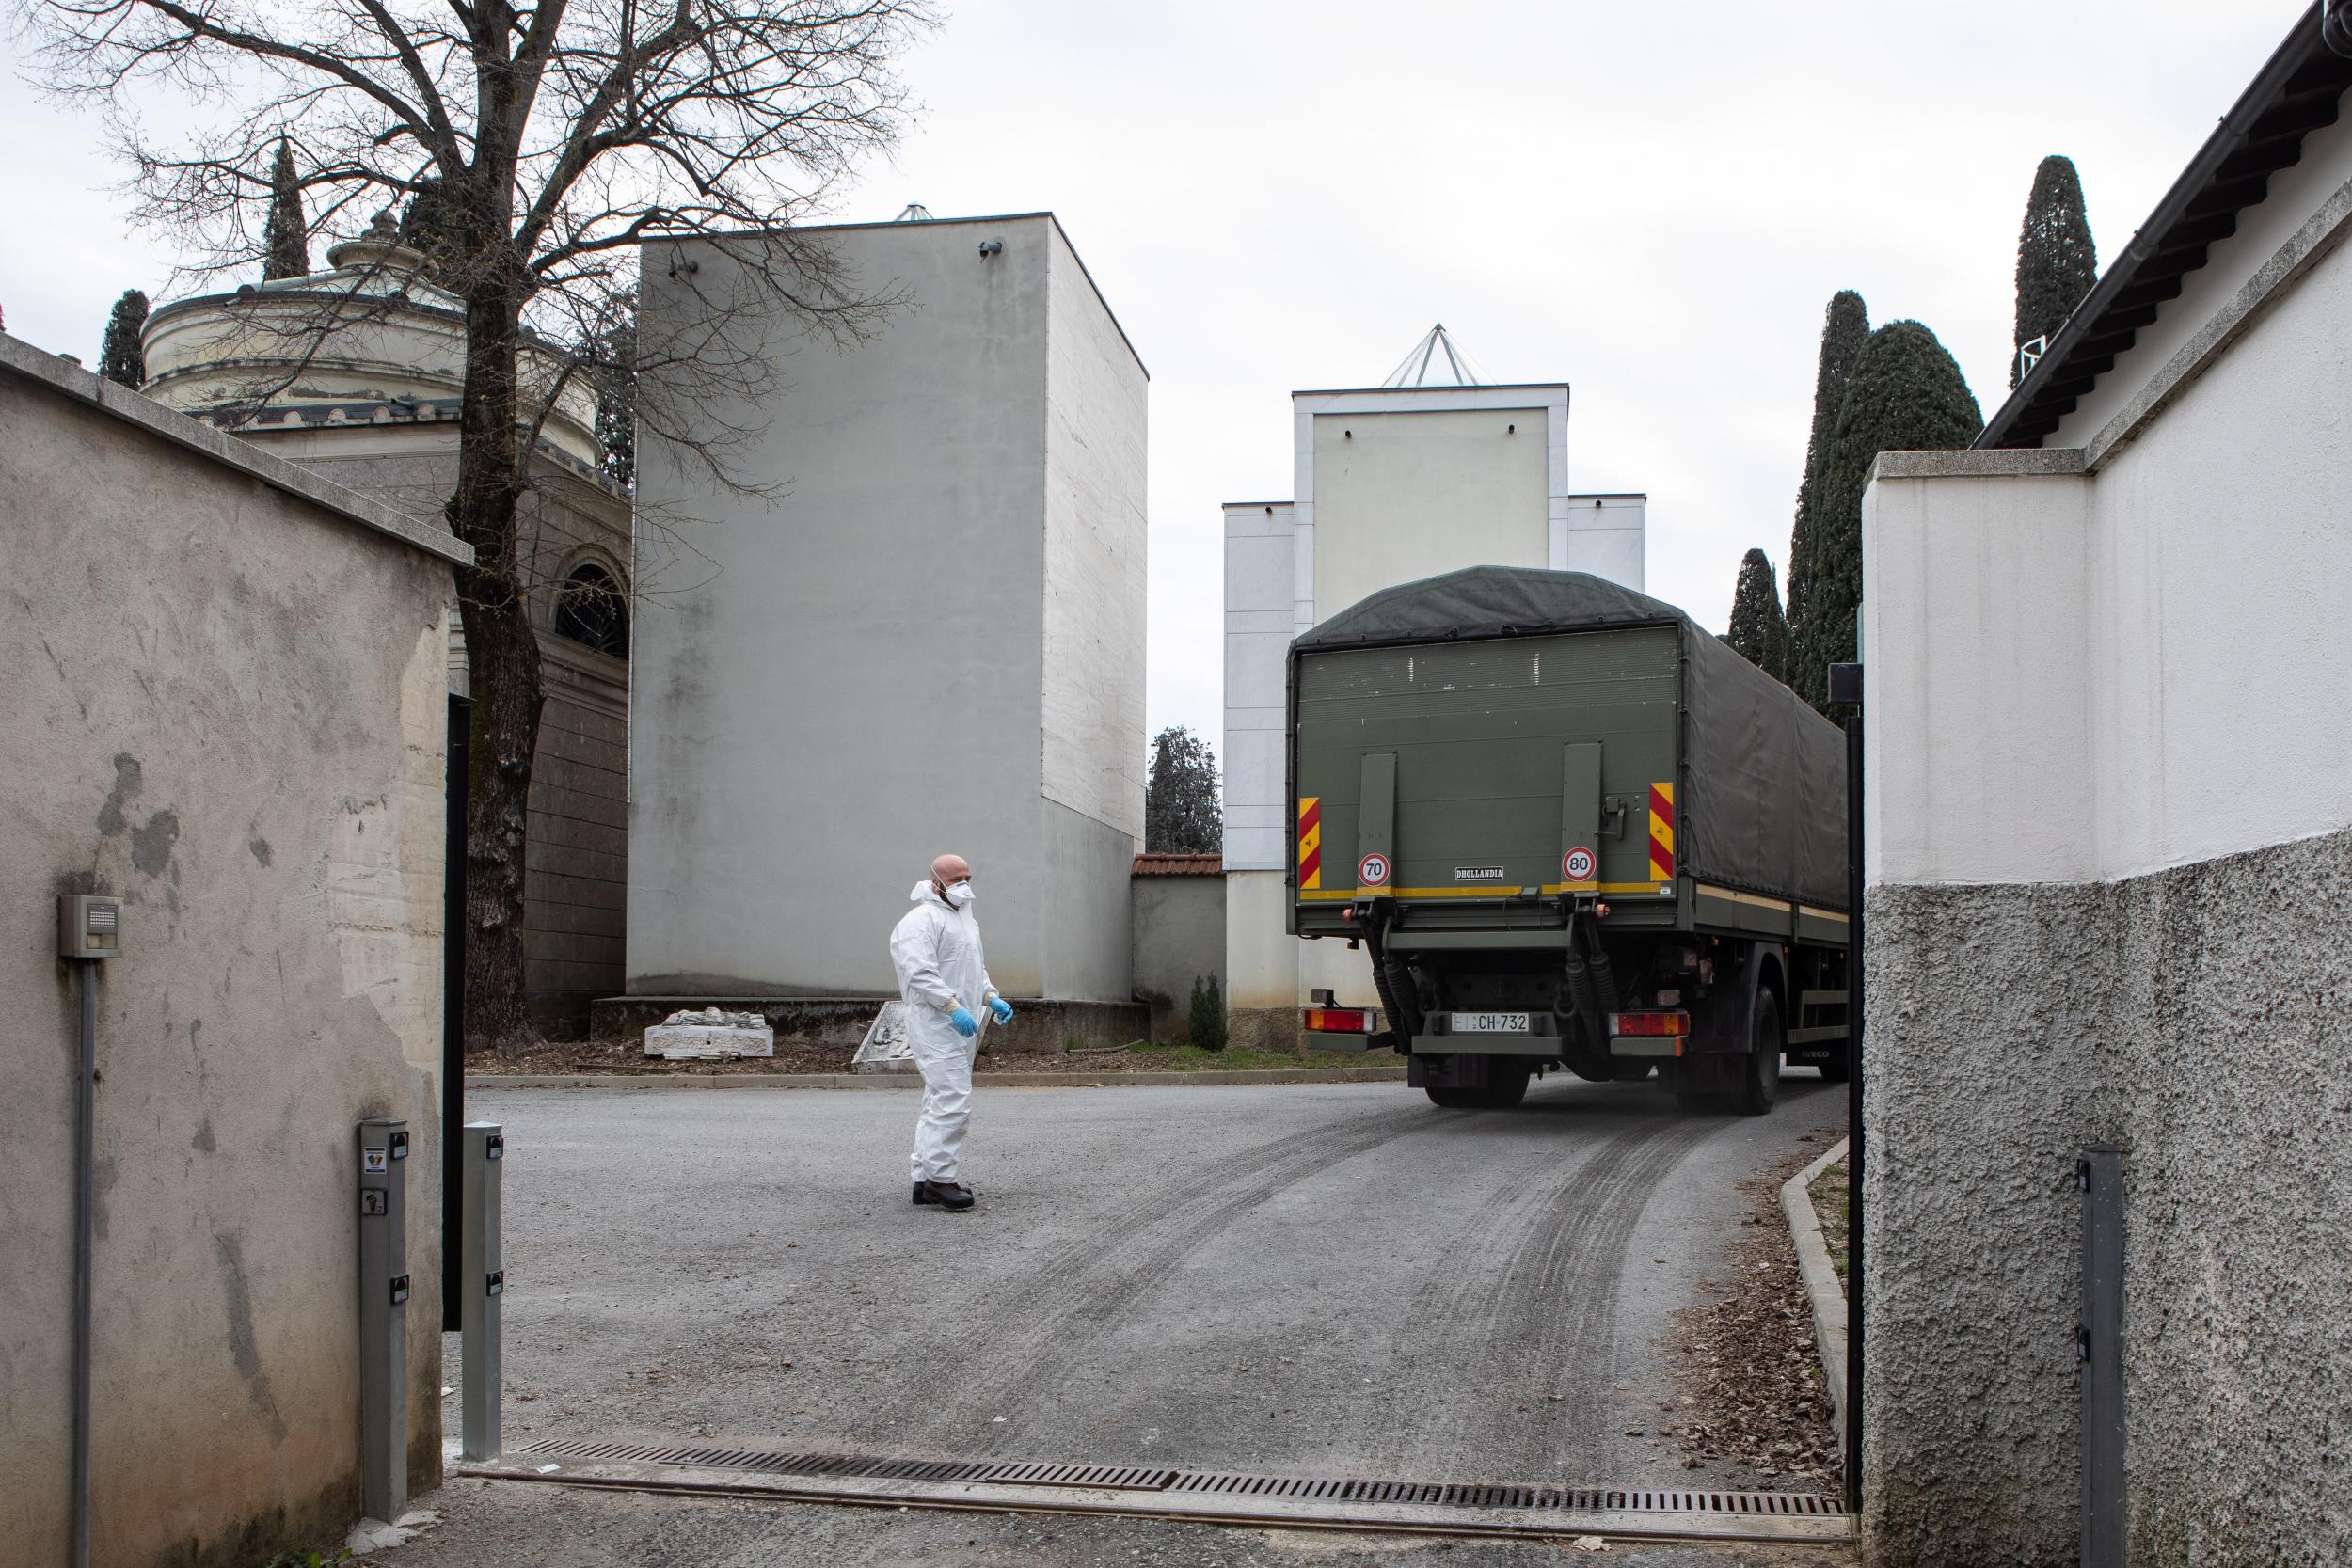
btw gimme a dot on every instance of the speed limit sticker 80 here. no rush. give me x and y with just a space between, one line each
1577 864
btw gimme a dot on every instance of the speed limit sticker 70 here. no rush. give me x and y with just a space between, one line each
1373 871
1577 864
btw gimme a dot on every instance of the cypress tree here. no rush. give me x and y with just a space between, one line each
1181 813
1207 1014
1844 328
286 237
122 355
2057 263
1906 394
1758 630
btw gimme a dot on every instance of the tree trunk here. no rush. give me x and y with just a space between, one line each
502 658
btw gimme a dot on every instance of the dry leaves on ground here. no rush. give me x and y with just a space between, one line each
1745 1362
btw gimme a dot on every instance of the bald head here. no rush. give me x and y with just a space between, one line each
947 872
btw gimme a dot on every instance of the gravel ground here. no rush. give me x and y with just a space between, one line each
523 1525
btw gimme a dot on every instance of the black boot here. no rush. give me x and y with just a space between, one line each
951 1196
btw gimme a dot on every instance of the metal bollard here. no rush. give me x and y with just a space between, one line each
384 1317
2099 1349
484 1281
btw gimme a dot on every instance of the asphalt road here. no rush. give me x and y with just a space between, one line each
1331 1280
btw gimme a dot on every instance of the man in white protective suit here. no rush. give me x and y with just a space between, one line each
936 951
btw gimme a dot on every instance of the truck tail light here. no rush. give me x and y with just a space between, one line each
1339 1021
1673 1021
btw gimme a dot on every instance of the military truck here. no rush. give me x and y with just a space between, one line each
1566 827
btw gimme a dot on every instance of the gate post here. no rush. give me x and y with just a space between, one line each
483 1280
1845 685
2099 1349
384 1317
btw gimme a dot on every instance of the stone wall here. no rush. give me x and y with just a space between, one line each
2194 1018
223 683
575 877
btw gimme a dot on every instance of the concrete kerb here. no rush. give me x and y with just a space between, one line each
1820 1279
909 1080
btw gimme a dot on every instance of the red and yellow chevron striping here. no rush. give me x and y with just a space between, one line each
1310 842
1662 832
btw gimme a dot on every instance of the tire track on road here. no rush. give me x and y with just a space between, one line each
1085 1283
1542 1320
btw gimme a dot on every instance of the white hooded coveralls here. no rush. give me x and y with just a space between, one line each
936 951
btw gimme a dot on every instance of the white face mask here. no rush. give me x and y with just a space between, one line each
960 896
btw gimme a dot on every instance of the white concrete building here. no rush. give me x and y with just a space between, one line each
1427 474
2109 809
928 635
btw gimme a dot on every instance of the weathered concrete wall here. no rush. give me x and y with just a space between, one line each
226 703
927 639
576 869
1180 938
2111 847
2190 1019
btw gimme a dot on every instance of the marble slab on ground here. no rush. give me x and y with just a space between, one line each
710 1036
885 1048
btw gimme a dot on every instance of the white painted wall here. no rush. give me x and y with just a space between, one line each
1261 552
1401 496
929 638
1605 535
1095 605
2292 196
2222 546
2142 666
1977 634
1261 959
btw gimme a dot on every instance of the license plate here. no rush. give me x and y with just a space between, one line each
1490 1024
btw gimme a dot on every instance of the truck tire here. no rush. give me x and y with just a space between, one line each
1505 1087
1759 1085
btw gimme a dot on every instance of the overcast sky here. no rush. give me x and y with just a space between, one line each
1650 201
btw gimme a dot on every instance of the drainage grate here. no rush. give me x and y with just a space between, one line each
1614 1500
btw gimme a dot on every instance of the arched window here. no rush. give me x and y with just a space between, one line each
591 610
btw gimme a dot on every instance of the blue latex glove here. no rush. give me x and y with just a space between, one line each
1002 1008
965 1024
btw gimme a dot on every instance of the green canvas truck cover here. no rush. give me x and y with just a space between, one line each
1761 802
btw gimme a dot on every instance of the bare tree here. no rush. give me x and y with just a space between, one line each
531 148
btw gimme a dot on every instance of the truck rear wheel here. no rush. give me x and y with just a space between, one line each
1759 1086
1504 1087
